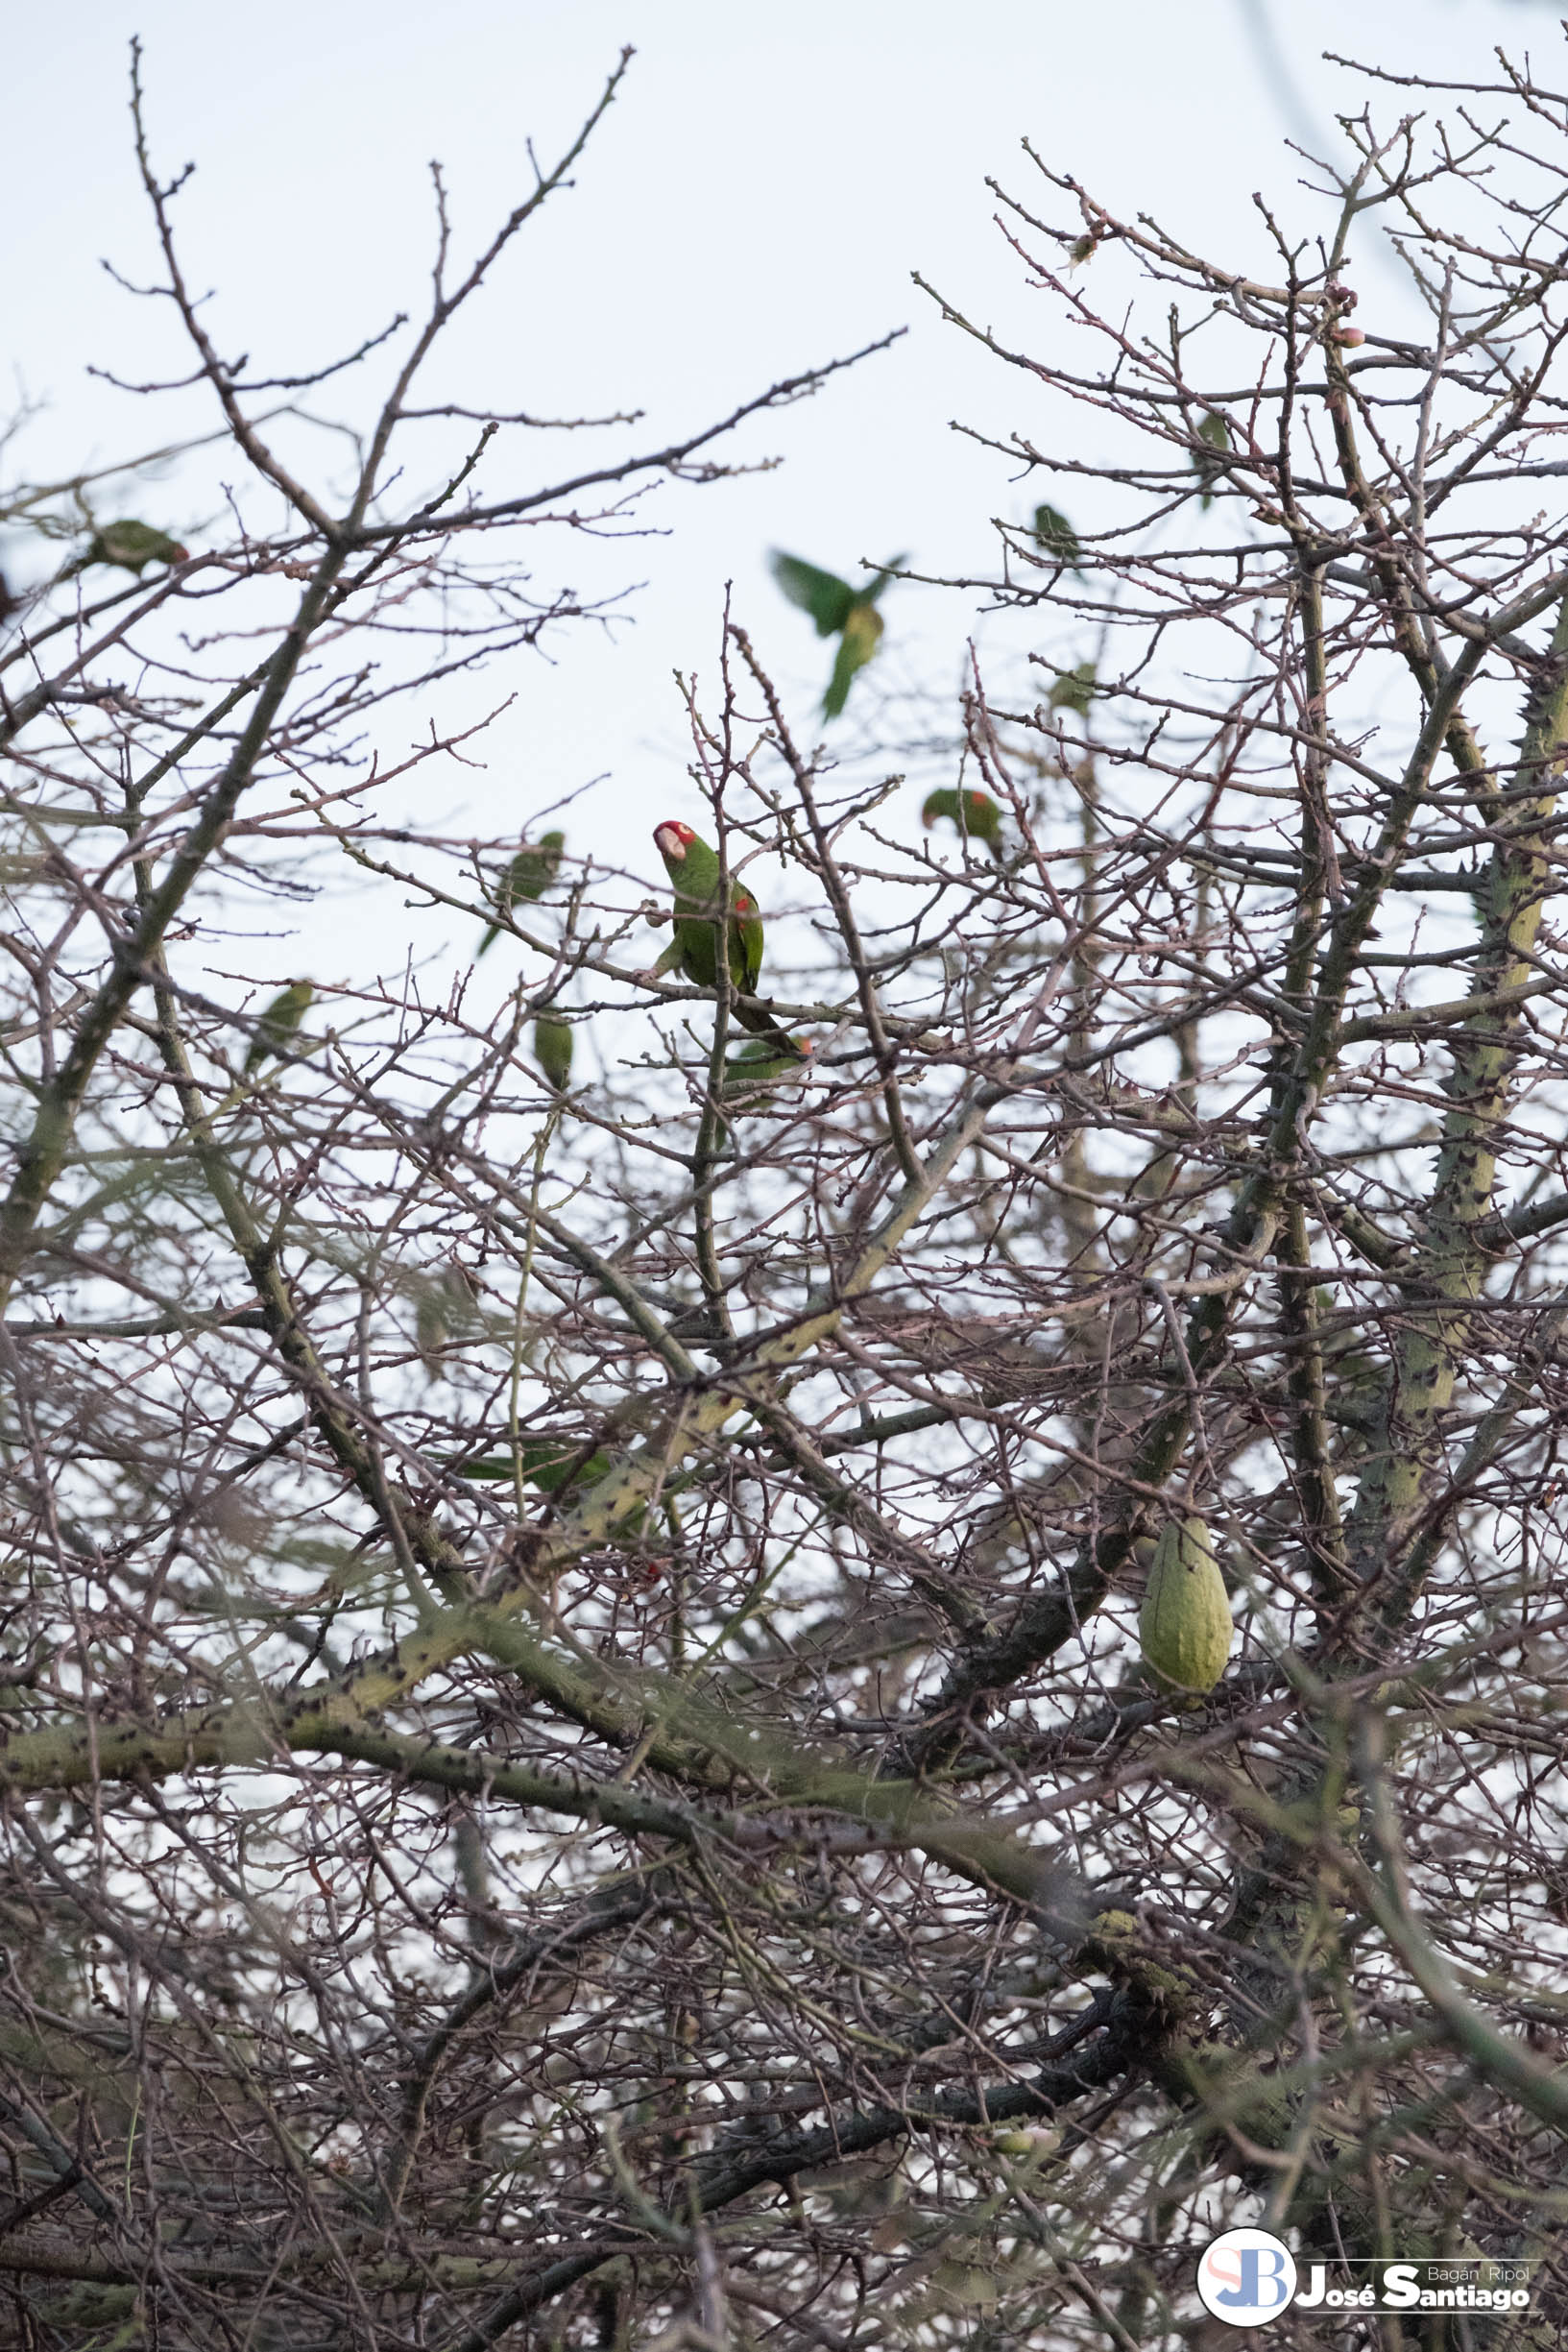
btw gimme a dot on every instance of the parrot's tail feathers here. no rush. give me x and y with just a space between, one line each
761 1024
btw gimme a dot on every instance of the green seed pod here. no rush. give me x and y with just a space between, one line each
1185 1626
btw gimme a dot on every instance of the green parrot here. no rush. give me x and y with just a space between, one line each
976 813
555 1464
692 866
545 1463
1057 538
529 876
278 1024
1214 434
849 614
760 1065
1074 690
552 1049
131 546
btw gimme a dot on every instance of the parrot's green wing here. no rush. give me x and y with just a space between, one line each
697 954
746 940
883 579
1057 538
822 594
861 631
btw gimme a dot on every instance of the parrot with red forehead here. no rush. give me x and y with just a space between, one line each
975 814
693 868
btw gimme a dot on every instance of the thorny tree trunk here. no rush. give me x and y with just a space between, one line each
576 1764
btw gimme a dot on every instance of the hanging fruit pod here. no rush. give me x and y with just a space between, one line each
1185 1627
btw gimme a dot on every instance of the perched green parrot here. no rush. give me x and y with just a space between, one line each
1214 434
545 1463
692 866
555 1464
529 876
552 1049
976 813
1057 538
131 546
849 614
1074 690
763 1064
278 1024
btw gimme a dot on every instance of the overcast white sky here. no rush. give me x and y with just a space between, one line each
757 198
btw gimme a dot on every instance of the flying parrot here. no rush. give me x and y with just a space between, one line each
976 813
278 1024
552 1049
849 614
693 868
1214 433
131 546
1057 538
529 876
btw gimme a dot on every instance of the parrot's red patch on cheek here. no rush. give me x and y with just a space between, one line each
671 838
